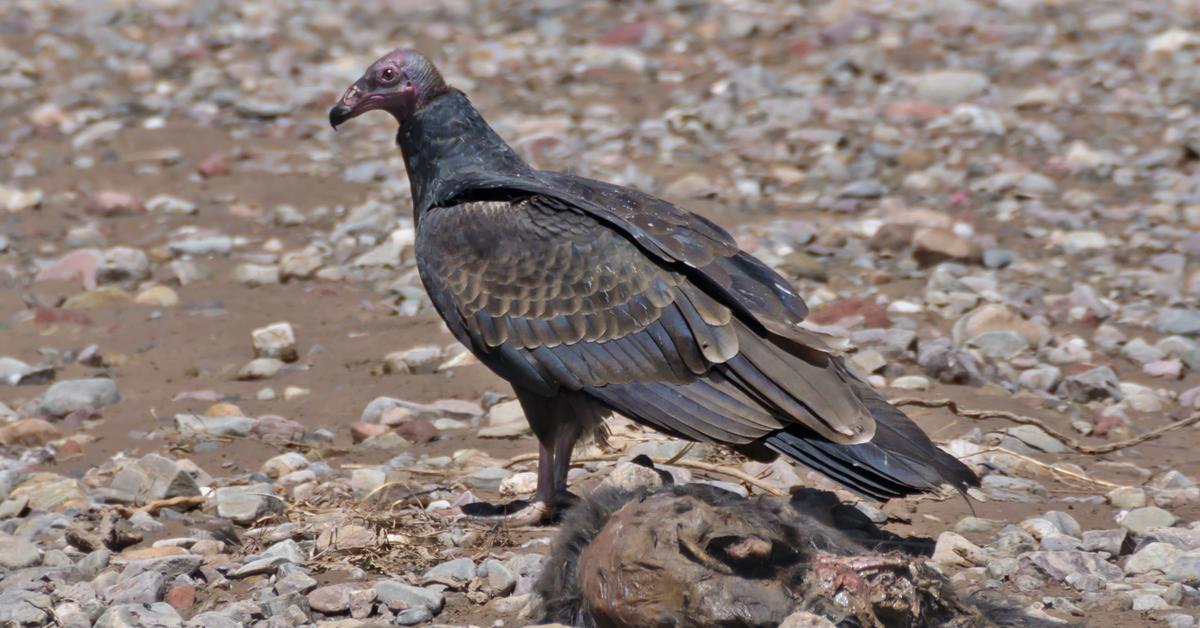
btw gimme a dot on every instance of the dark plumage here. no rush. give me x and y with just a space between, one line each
590 297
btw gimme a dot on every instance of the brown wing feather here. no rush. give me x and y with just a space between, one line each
630 323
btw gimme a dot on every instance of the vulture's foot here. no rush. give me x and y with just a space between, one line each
521 512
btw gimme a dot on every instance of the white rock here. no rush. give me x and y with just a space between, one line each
260 368
911 382
948 86
1152 557
954 550
167 204
522 483
276 340
256 274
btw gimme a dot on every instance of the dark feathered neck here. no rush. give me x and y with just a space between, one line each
449 148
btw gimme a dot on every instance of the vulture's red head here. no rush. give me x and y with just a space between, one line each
400 83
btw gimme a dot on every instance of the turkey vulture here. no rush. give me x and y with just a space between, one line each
590 298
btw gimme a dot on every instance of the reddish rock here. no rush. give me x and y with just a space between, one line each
360 431
1108 420
70 447
892 238
332 599
913 111
934 245
848 312
631 33
52 315
213 166
802 47
114 203
850 28
74 266
273 426
181 597
146 553
418 431
223 409
28 433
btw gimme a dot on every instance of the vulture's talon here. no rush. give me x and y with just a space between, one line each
515 513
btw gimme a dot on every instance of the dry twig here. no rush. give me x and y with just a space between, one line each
981 415
1043 465
190 501
690 464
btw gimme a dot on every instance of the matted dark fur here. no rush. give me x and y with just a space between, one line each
798 555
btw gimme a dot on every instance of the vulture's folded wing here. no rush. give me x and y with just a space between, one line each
667 234
552 297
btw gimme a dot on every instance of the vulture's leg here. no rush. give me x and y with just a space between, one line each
558 422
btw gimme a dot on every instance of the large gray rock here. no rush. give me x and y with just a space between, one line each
1185 569
999 345
169 567
283 552
454 573
1142 520
1183 538
215 619
1037 438
23 608
1013 489
245 504
154 477
287 550
1182 321
158 615
1092 385
402 596
1103 541
147 587
1185 349
1065 522
70 395
1062 564
286 606
18 553
192 424
500 579
1153 557
413 616
332 599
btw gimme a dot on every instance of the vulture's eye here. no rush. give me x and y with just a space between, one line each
388 75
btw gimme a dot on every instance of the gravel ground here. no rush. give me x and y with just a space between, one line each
225 399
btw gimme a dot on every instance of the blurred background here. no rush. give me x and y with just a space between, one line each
990 201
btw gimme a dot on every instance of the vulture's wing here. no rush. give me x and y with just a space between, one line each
559 282
666 233
553 298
